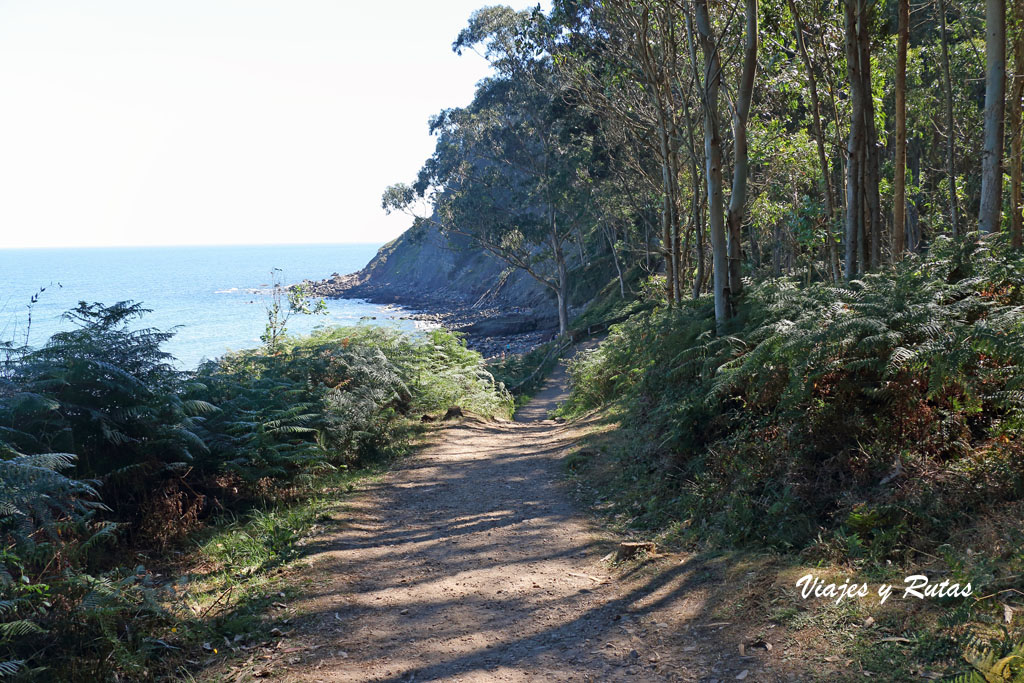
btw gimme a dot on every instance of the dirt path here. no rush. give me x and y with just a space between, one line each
469 563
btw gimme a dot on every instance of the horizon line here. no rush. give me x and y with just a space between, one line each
166 246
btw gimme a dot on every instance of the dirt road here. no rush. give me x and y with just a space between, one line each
469 563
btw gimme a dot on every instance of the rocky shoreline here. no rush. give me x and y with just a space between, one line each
492 331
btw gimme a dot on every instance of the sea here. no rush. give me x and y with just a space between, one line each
214 298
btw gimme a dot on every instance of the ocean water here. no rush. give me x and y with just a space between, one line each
213 297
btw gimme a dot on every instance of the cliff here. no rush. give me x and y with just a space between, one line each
424 263
423 268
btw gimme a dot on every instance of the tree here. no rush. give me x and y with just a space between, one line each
712 83
608 145
1017 127
863 222
947 88
741 156
727 273
637 79
282 303
990 207
819 139
900 172
504 170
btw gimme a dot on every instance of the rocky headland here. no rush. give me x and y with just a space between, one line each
445 280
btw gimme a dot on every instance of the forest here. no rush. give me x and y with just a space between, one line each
713 143
800 224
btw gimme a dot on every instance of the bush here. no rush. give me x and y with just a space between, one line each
524 373
100 413
331 399
878 413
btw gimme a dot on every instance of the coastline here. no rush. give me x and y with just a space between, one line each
490 330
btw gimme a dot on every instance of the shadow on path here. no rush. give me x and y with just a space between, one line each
469 563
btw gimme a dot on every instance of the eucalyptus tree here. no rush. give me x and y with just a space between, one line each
711 85
740 111
990 206
608 117
633 71
947 89
726 255
818 130
618 199
1017 127
900 171
504 169
656 49
863 214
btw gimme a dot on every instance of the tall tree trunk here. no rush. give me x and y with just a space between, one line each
685 266
755 247
661 100
1017 127
647 244
873 215
698 225
697 193
676 261
947 85
864 227
713 165
995 94
863 212
563 314
708 266
839 158
899 214
777 250
668 217
677 255
666 244
610 233
741 157
562 291
854 210
695 202
831 252
854 146
913 218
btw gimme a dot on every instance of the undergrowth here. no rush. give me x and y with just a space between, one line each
875 424
112 460
853 419
524 373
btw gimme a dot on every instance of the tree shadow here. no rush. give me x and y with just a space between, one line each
469 562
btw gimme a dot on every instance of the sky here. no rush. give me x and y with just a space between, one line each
147 122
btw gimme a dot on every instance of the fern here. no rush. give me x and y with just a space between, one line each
11 667
100 412
993 664
816 387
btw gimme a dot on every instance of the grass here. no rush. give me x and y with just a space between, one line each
236 584
524 373
901 640
235 581
867 433
236 461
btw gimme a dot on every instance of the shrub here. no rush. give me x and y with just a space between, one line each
100 412
878 412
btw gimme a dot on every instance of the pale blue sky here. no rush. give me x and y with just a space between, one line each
141 122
